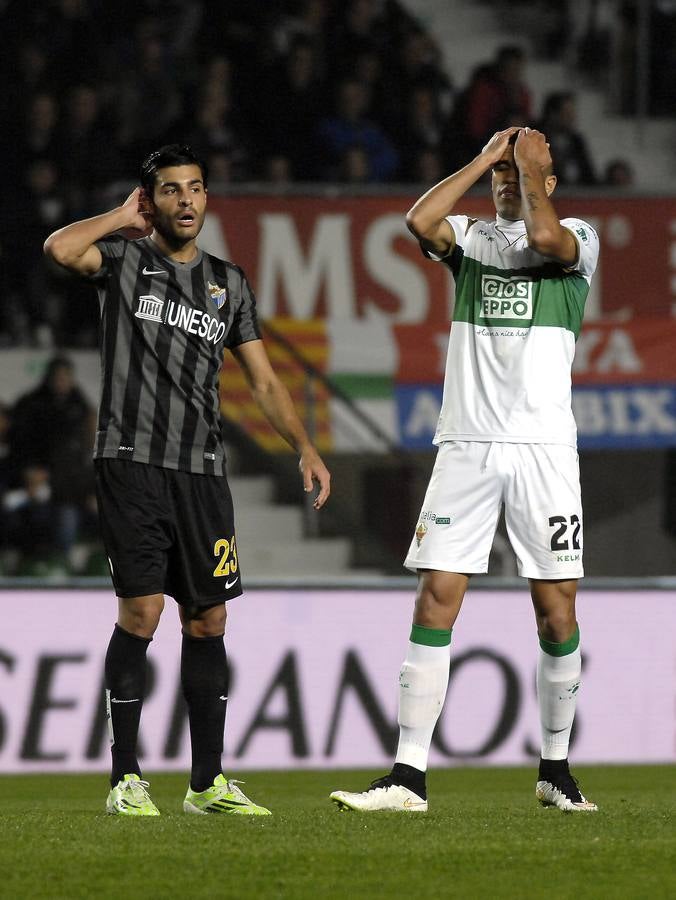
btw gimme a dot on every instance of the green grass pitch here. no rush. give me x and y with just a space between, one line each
484 836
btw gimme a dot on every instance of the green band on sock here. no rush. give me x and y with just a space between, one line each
431 637
554 649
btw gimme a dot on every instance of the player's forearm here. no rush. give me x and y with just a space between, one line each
426 213
277 406
67 245
545 233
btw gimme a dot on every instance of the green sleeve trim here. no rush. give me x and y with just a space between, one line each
431 637
569 646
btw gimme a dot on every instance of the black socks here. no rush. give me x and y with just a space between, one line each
204 677
125 678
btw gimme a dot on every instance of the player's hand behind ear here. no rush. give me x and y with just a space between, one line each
137 209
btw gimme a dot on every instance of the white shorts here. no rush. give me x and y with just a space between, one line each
539 485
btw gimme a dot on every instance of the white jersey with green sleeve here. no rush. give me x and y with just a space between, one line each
516 318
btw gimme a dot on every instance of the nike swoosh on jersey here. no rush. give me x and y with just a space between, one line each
229 584
147 271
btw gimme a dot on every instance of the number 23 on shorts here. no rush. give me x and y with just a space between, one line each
226 551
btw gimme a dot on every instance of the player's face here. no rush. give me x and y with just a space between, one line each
505 186
179 203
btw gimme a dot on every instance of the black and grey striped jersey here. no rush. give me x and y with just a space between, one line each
164 328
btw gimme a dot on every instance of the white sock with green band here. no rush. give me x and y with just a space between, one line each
558 682
422 690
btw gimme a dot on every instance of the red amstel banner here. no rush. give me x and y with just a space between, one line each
352 258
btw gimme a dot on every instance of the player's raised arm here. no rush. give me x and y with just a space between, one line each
276 403
546 235
74 245
426 219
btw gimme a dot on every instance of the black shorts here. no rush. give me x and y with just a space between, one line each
168 532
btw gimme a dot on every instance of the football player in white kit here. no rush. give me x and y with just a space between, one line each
506 436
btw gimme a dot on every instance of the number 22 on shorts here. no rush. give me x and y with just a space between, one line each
226 551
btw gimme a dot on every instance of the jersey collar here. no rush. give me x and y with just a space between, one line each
509 225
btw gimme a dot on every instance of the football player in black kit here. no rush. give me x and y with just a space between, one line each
168 312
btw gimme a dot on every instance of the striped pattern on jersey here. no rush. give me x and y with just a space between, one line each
164 328
516 318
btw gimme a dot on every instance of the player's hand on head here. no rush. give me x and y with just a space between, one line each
312 470
531 147
495 148
137 208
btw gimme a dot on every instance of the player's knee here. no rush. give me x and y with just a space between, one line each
140 622
140 616
557 625
439 599
201 622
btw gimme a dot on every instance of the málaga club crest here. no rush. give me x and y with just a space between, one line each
217 294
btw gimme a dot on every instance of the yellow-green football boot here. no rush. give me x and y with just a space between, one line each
130 797
222 797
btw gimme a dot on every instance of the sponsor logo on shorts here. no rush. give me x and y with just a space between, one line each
506 298
420 532
434 518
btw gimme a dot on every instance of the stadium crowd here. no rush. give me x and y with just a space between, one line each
281 92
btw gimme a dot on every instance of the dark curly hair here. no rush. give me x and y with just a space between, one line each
170 155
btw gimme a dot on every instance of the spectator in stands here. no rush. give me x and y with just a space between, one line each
369 68
427 168
421 129
294 107
618 173
359 28
39 138
52 428
86 152
662 58
497 97
308 22
568 147
349 127
219 129
355 167
30 521
277 172
25 74
420 66
33 291
220 168
149 100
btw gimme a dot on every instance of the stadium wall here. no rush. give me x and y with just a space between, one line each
314 676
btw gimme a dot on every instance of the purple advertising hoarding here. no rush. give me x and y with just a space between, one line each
314 681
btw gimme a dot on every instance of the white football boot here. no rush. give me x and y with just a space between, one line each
557 787
383 794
